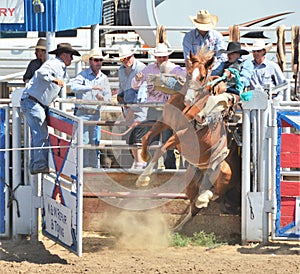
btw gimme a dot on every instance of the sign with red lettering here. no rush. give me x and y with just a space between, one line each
11 11
62 189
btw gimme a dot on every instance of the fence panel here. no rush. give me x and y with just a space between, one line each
288 176
4 172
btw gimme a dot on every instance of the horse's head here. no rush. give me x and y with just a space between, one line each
198 67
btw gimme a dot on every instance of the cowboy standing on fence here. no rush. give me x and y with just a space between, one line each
41 91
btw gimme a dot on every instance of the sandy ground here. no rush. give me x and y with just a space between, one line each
105 254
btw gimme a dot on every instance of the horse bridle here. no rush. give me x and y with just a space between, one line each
198 83
195 87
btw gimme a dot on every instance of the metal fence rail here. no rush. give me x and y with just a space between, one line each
15 59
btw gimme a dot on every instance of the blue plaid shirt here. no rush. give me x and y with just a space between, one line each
193 40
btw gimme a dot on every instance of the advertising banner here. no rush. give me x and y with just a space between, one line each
11 11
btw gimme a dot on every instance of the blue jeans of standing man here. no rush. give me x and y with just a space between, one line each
92 136
35 115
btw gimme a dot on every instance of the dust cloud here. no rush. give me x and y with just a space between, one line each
139 229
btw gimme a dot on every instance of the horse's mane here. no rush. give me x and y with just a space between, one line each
203 55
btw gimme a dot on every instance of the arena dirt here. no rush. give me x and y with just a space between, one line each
143 249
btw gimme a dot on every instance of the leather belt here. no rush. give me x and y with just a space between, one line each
35 100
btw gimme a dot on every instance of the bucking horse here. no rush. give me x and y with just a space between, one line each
196 116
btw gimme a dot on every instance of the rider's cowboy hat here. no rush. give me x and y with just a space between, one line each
260 44
161 50
41 44
64 48
234 47
125 51
204 20
94 53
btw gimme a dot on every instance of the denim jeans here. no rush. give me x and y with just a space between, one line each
92 136
35 116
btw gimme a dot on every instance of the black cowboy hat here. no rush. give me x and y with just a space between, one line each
234 47
64 47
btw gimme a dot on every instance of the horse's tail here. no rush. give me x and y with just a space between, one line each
161 35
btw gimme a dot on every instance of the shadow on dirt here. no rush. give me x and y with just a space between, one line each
271 248
18 252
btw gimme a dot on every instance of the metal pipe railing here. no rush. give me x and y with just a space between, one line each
188 28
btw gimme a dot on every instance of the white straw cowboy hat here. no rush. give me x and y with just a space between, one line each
125 51
260 44
161 49
94 53
41 44
204 20
64 47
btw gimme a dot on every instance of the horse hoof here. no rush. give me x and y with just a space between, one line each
143 181
203 199
146 157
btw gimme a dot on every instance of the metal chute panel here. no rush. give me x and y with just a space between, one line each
4 172
287 175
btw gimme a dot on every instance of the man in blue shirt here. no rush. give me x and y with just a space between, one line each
204 35
41 91
91 84
265 71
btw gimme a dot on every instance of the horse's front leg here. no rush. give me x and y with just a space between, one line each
156 129
144 178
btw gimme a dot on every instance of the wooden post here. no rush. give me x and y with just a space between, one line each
4 91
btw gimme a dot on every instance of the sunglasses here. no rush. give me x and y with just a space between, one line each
125 59
257 50
97 60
